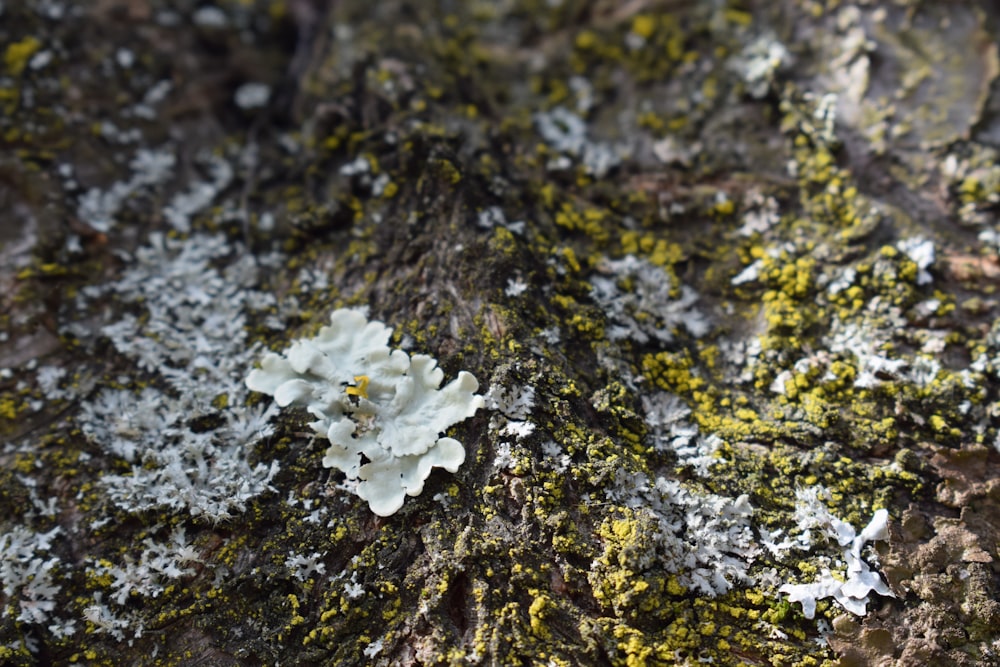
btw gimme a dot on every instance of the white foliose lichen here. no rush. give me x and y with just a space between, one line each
921 252
851 588
759 64
381 409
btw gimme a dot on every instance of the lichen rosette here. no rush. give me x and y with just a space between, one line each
383 411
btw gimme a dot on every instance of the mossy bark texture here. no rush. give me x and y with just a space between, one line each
726 272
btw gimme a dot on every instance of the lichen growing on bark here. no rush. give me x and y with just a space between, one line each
711 257
382 411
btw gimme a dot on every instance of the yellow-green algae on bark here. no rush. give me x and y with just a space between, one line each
707 257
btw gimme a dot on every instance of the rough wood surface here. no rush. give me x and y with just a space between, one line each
726 272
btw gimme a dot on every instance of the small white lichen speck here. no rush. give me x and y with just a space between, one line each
381 409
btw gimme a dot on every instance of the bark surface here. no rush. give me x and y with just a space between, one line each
725 271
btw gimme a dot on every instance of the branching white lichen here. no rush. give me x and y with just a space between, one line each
566 133
149 169
148 575
653 306
852 588
305 567
705 539
381 409
510 423
669 430
27 574
921 252
151 573
193 338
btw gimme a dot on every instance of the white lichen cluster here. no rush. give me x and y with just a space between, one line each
650 307
27 575
510 422
852 587
185 205
151 169
305 567
493 216
566 133
381 409
513 406
170 430
705 539
157 566
192 336
921 252
759 64
98 208
763 213
669 430
867 341
868 346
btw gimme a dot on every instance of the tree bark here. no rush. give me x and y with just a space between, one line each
725 272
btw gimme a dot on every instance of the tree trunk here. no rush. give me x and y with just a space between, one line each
725 273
